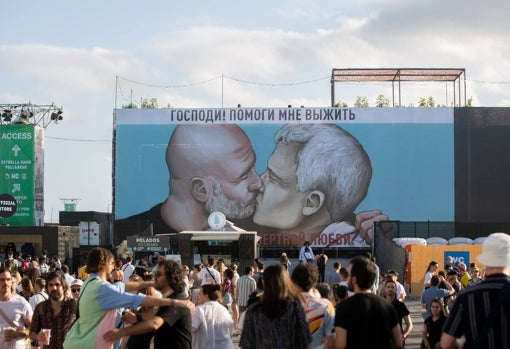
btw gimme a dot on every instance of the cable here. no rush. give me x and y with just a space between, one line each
80 140
277 84
171 86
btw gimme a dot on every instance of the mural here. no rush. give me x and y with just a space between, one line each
322 175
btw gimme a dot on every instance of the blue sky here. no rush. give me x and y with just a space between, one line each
70 53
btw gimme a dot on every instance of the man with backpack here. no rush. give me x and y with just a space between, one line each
321 260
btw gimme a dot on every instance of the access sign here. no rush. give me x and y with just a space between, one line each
22 172
8 205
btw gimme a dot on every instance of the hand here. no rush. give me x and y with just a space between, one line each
128 317
191 307
9 334
112 336
365 223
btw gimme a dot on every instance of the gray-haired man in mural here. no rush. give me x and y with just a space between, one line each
315 178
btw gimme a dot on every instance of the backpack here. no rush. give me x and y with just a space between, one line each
322 261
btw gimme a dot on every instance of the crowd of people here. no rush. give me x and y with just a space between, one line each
465 306
160 303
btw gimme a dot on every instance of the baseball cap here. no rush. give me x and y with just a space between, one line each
461 267
452 272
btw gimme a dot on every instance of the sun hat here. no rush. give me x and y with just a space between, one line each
496 251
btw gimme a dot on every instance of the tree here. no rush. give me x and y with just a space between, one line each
469 103
361 102
382 101
340 104
129 106
427 102
145 103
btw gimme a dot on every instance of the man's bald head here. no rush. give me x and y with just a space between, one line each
211 169
194 149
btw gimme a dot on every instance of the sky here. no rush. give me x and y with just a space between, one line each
92 57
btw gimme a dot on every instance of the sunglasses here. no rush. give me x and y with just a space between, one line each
75 290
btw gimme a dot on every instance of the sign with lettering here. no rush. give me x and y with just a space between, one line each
290 174
148 243
22 171
8 205
457 257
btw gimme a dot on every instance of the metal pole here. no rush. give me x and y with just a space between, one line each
116 89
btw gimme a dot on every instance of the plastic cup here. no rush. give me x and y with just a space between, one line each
47 332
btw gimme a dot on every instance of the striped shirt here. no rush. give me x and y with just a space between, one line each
246 285
472 310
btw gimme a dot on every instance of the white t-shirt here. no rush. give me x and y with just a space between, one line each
428 277
401 291
205 274
17 309
128 270
37 298
214 325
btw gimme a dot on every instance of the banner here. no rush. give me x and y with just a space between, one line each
393 162
22 167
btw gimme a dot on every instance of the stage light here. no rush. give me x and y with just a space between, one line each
57 116
7 115
25 114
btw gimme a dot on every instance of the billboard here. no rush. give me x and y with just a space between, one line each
22 172
175 166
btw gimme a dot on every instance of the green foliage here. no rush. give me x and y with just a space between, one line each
469 103
382 101
427 102
145 103
149 103
341 104
361 102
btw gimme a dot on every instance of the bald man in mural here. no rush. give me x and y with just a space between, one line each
211 169
315 178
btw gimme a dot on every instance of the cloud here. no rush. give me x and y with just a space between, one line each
77 68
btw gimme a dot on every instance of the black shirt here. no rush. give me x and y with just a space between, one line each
368 320
176 330
434 329
401 310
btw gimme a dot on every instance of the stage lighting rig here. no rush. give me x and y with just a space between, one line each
36 114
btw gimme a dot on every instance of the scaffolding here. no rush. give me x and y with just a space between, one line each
398 75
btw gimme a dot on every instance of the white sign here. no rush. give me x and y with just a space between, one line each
217 220
89 233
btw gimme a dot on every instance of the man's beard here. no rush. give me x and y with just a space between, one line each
236 209
55 296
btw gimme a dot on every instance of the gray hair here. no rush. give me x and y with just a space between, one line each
330 160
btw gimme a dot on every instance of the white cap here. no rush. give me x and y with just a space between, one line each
495 251
76 282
